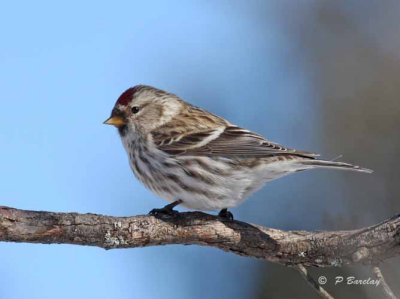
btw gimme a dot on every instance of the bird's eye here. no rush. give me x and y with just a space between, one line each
135 109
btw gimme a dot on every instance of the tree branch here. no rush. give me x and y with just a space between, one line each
316 286
387 291
336 248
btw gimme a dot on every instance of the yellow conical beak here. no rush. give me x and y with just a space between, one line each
116 121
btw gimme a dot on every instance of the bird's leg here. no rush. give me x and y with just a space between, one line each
224 213
167 210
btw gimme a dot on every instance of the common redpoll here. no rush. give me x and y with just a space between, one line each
191 157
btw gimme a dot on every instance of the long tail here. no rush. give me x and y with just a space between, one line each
333 164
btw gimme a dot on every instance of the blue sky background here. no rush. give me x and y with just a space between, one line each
63 65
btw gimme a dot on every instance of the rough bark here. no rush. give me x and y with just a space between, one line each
324 248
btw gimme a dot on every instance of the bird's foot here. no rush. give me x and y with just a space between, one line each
224 213
167 210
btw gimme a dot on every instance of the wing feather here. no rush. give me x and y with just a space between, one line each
228 141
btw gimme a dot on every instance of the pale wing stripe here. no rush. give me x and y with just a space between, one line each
226 142
214 135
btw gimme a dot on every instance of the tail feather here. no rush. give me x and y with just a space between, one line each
333 164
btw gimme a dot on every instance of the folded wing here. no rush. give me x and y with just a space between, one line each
230 141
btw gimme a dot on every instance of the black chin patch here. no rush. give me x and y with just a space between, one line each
123 130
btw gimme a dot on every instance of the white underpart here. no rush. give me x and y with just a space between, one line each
231 189
230 185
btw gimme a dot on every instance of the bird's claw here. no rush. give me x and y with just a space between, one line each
164 211
224 213
167 210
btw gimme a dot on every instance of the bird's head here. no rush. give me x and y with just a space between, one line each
142 108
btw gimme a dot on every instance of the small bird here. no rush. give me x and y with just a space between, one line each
192 157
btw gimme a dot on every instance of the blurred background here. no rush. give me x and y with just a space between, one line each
314 75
